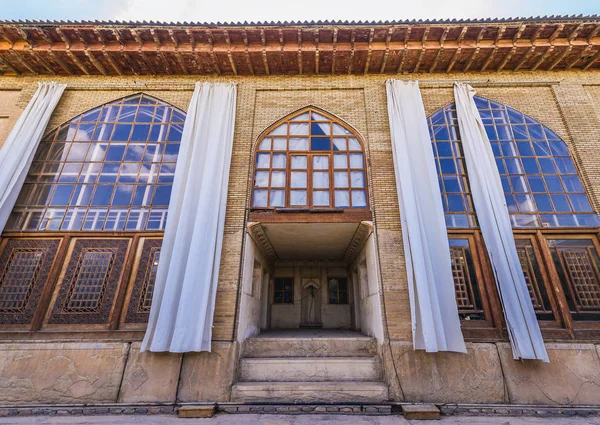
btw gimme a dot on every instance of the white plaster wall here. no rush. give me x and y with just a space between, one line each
250 305
370 301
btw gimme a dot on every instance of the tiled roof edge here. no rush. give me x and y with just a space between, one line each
532 19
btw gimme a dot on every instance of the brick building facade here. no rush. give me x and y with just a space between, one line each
546 69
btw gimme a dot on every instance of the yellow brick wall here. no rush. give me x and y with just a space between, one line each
567 102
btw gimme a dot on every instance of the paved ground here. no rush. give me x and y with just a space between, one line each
225 419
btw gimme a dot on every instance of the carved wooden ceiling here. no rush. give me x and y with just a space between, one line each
127 48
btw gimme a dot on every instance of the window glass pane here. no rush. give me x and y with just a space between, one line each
263 160
342 198
261 179
320 180
357 179
299 129
320 162
339 144
298 162
298 179
279 144
321 198
265 145
277 198
279 160
278 179
354 144
359 198
356 160
340 179
320 144
340 160
298 144
280 130
259 198
298 197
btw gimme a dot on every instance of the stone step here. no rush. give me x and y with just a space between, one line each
359 346
310 369
344 391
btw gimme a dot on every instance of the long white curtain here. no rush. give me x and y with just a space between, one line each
19 148
494 221
435 321
183 304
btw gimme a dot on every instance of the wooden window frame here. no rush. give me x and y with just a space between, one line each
282 291
338 290
309 154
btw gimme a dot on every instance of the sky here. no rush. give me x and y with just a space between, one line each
279 10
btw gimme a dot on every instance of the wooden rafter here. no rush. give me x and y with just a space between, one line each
246 53
440 51
71 55
229 54
560 58
492 54
180 60
422 51
370 51
281 51
404 51
386 55
352 51
299 37
160 52
316 51
592 61
211 43
263 42
196 60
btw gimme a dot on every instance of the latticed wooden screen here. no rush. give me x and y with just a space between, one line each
578 265
91 281
466 287
143 285
533 278
24 269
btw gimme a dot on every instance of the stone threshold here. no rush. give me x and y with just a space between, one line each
363 408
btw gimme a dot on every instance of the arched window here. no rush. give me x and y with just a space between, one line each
540 181
544 194
109 169
309 160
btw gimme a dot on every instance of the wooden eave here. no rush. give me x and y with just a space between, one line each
33 48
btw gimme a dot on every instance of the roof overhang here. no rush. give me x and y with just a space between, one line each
133 48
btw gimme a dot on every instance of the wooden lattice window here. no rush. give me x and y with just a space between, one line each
338 290
310 160
283 290
577 264
18 279
466 285
88 287
149 280
109 169
534 279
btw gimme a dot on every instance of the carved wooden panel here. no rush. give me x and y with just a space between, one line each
24 269
90 283
143 286
466 288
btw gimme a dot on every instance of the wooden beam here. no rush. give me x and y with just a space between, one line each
299 59
489 59
73 57
386 55
281 51
178 53
593 34
422 51
352 50
370 50
542 58
194 51
263 43
579 57
440 51
159 51
211 43
592 61
248 59
404 50
119 38
10 65
560 58
316 51
575 32
557 31
334 47
525 57
229 54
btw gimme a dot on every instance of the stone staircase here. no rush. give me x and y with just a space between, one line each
310 366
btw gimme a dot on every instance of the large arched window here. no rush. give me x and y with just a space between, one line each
309 160
83 242
108 169
544 194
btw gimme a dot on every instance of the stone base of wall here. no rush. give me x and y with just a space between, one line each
489 374
106 372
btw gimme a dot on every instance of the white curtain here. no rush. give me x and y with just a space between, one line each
435 321
183 304
494 221
19 148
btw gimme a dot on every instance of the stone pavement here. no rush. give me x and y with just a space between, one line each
226 419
